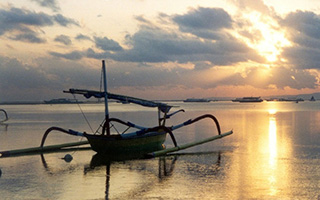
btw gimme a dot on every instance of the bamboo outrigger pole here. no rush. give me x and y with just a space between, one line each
40 149
188 145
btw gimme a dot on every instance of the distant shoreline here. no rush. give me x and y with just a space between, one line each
41 102
80 102
305 97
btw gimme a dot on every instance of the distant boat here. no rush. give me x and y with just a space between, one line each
312 99
62 101
236 100
272 99
294 100
196 100
248 100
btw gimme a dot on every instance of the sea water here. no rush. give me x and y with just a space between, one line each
274 153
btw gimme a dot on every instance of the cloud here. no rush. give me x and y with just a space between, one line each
303 29
28 37
90 53
279 77
202 65
74 55
143 77
82 37
302 57
51 76
304 22
137 75
64 21
15 74
63 39
204 22
254 5
156 44
19 19
52 4
283 77
203 45
49 79
143 20
107 44
205 18
24 25
275 78
15 80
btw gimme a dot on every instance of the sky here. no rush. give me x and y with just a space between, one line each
159 49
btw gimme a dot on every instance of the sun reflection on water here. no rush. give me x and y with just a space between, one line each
272 141
273 152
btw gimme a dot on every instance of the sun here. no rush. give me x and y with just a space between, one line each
265 36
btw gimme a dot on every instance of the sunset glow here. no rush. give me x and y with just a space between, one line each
206 48
271 38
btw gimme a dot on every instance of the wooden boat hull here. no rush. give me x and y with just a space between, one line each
115 144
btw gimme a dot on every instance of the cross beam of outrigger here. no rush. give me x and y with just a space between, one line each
145 142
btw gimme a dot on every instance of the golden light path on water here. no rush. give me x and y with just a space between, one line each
278 147
272 138
264 170
272 150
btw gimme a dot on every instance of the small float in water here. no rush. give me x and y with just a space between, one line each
145 142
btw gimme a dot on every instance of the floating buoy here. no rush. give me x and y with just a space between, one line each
67 158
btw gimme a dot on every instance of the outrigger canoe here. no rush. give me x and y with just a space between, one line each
143 142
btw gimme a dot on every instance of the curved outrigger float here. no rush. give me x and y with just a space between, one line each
5 115
144 143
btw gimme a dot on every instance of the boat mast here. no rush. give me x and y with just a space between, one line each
106 124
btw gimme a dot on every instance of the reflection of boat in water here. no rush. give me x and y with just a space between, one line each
196 100
164 170
62 101
248 100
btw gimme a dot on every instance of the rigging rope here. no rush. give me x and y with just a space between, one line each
82 112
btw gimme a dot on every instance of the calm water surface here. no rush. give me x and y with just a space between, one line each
274 153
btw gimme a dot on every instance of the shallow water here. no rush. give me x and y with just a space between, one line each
274 153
